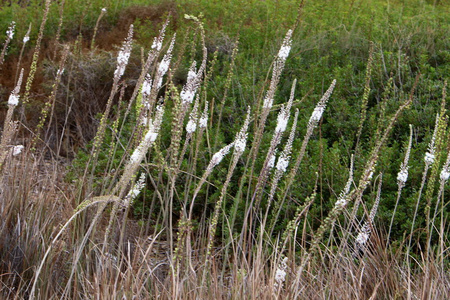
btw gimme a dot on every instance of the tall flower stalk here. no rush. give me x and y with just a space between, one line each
9 37
10 127
316 116
402 176
240 143
363 236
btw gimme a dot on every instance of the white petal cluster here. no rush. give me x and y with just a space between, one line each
445 174
341 202
190 88
17 150
280 276
146 86
164 66
282 120
10 31
60 72
402 176
429 158
241 137
135 190
272 159
282 163
320 107
26 38
280 273
203 121
157 44
191 126
191 75
13 99
187 96
241 143
218 156
286 47
284 52
104 9
149 138
317 114
268 102
124 54
362 238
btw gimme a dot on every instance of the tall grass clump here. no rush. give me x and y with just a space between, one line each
263 152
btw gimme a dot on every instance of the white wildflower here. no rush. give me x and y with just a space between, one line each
241 137
320 107
218 156
430 154
362 238
268 101
280 276
284 52
240 144
286 47
163 66
188 93
402 176
445 174
341 202
17 150
187 96
26 38
203 121
135 191
124 54
191 75
317 114
429 158
149 138
280 273
191 126
282 163
60 72
282 120
104 9
272 159
146 86
13 99
10 31
157 44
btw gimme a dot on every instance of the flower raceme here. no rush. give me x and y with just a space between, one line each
10 31
320 107
124 54
240 142
280 60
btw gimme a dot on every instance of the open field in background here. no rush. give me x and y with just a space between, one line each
224 149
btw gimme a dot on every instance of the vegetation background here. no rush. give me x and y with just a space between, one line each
67 230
